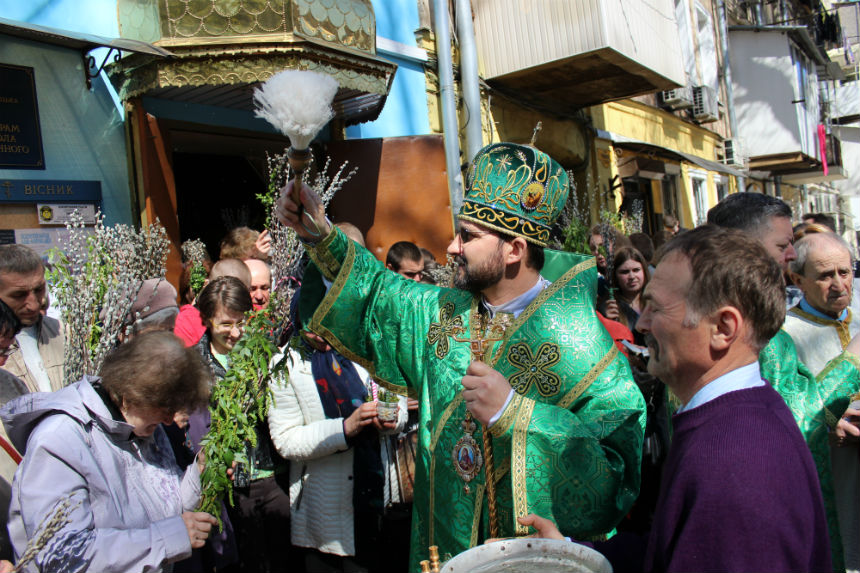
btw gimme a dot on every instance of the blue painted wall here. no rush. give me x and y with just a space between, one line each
405 111
87 16
82 130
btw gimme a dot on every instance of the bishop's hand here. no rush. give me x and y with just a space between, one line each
303 218
485 391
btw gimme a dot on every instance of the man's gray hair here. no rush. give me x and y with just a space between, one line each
19 259
804 247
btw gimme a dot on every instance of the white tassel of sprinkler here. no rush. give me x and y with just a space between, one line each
298 104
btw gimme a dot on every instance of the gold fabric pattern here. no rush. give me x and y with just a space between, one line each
504 222
518 465
548 292
476 515
535 368
323 258
318 251
448 326
592 375
507 418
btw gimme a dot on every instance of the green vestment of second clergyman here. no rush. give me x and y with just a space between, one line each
817 404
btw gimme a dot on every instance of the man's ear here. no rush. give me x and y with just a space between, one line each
389 267
518 248
727 327
795 278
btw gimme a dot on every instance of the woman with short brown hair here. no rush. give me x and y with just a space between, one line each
97 447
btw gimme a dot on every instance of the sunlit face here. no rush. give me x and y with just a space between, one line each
146 420
778 238
676 350
478 253
411 269
630 277
24 294
594 243
225 329
261 283
827 278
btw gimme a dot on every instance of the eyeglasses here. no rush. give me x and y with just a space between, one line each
227 326
466 235
7 352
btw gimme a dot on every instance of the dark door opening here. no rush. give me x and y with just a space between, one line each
637 202
216 193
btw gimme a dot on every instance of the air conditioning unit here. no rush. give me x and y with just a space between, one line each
733 153
705 106
679 98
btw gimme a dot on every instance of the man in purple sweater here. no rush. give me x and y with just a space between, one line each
740 491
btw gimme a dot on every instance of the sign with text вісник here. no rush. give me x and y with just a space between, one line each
50 190
20 133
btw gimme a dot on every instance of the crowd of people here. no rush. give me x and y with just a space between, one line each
678 402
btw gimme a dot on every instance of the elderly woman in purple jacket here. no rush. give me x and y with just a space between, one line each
98 448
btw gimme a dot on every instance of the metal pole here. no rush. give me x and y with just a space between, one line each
445 71
727 77
469 78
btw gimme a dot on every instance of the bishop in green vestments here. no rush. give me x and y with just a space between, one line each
516 348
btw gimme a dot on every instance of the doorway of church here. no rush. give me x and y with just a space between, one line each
216 193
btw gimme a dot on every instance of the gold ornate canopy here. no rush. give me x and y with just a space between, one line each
223 48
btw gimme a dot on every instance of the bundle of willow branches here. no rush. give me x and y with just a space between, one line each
287 250
194 255
94 277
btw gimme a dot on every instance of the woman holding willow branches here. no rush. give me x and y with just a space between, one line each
98 488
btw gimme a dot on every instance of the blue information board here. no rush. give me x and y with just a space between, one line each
20 133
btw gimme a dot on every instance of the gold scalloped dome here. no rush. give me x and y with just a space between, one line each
222 48
349 23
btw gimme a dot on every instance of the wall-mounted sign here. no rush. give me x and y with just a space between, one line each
38 191
61 213
41 240
20 133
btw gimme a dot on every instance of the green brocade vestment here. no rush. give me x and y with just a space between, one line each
817 404
568 445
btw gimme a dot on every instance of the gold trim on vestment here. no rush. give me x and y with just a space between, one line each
843 327
325 306
507 418
544 295
476 516
322 256
587 380
830 418
852 358
501 469
446 414
518 465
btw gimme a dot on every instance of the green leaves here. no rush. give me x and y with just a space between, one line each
238 403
